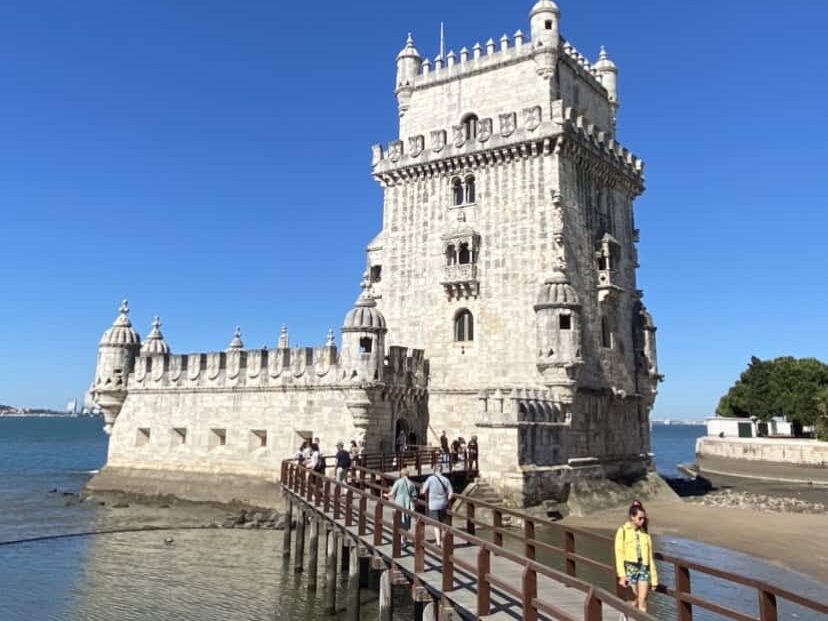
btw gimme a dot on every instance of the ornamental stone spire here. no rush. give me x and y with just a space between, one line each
155 343
284 340
236 344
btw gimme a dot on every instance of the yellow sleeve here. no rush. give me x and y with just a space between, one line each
619 553
653 571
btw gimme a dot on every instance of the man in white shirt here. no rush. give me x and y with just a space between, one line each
439 491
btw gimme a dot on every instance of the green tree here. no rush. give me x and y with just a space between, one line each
821 406
781 387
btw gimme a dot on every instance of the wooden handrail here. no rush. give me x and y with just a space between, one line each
317 490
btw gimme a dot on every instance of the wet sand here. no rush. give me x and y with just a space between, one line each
791 540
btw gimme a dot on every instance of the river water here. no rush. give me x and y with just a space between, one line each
206 575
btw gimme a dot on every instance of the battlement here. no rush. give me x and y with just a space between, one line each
260 368
505 133
497 54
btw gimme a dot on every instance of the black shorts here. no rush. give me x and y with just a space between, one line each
438 514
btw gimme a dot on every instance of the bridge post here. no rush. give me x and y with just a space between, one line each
299 561
430 612
313 556
353 583
385 606
330 570
682 581
288 527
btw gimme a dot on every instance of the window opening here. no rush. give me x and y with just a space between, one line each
464 256
180 435
470 126
606 333
457 191
366 344
464 326
218 437
565 322
451 255
376 273
470 193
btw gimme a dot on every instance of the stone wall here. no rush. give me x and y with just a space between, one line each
789 451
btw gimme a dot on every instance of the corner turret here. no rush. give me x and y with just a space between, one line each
363 337
544 22
236 342
155 343
409 63
117 350
608 74
559 336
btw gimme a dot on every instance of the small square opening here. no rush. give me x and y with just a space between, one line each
258 439
548 24
565 322
218 437
142 438
179 435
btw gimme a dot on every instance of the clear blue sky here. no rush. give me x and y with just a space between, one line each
210 161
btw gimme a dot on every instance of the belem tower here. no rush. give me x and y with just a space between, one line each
499 300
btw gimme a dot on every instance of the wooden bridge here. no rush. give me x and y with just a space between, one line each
484 568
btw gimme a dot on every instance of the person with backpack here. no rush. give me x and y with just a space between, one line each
317 461
439 492
343 462
634 556
402 493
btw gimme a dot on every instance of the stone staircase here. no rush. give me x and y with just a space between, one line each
481 490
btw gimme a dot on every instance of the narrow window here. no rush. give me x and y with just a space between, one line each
469 123
376 273
470 193
179 435
464 256
606 333
457 191
218 437
565 322
463 326
548 24
366 344
142 438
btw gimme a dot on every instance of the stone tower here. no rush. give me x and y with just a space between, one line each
508 254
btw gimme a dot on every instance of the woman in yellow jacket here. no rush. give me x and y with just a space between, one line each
634 562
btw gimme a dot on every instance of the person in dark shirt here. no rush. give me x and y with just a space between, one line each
343 462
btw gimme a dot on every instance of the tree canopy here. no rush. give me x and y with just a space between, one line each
791 387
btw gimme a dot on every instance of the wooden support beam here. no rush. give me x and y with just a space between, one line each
299 559
353 584
313 553
330 570
385 599
288 530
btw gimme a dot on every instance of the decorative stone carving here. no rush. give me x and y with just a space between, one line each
395 150
458 135
416 145
532 118
508 124
438 140
484 131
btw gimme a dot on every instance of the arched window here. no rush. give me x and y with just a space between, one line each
451 255
463 326
470 194
457 191
469 123
464 256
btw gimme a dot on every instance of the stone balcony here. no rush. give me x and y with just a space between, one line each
460 281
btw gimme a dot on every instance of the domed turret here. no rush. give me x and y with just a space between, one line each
544 24
236 343
155 343
409 63
608 74
558 323
118 347
363 336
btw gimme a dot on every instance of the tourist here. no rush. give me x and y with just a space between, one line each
316 462
444 448
455 451
354 452
634 557
306 452
402 493
401 441
439 492
343 462
302 455
472 453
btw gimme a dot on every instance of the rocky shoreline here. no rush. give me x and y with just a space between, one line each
737 499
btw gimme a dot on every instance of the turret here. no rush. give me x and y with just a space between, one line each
544 24
155 343
409 63
117 350
608 74
236 343
559 334
363 337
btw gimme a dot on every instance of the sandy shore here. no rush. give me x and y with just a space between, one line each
792 540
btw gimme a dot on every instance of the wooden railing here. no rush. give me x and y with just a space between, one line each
350 503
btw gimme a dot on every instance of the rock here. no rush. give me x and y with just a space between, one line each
229 523
251 525
258 517
120 505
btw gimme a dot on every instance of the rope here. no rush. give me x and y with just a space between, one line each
113 531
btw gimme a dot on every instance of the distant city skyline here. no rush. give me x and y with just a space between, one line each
212 166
